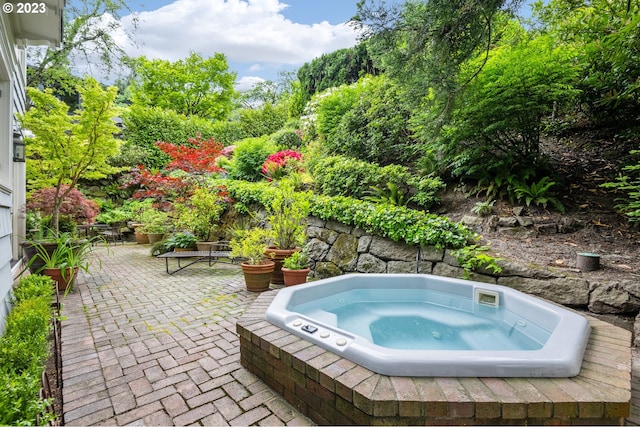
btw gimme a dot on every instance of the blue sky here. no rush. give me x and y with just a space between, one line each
260 38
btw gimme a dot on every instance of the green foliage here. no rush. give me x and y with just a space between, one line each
398 223
250 244
288 212
201 213
474 258
483 208
539 193
263 120
344 66
376 127
194 86
67 147
146 125
182 240
498 120
287 138
297 261
604 36
392 195
248 158
344 176
629 183
154 221
33 286
24 348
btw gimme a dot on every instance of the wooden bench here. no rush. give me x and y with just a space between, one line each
218 252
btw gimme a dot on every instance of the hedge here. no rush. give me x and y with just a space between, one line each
24 349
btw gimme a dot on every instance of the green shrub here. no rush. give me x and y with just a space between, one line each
397 223
345 176
24 348
248 158
33 286
287 138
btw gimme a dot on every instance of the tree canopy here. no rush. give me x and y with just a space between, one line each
194 86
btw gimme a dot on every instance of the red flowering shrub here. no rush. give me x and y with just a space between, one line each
280 164
197 156
74 205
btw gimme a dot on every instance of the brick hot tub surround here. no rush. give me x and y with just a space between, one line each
332 390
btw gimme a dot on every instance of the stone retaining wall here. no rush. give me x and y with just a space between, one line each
336 248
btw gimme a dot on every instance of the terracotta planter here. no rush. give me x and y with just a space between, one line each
183 249
155 237
280 255
257 276
295 277
142 238
65 280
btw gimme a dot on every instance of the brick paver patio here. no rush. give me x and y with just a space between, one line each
144 348
141 347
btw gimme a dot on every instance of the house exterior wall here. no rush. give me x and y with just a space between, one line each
12 174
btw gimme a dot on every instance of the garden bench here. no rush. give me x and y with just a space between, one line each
218 252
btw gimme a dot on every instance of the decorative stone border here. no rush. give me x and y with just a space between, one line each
332 390
336 249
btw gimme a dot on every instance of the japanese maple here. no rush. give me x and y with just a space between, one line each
197 156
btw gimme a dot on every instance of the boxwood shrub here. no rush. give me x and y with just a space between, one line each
24 349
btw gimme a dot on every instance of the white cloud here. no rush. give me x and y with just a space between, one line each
247 82
246 31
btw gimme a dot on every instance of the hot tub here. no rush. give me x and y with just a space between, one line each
423 325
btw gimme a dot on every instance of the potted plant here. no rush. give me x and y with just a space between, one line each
201 214
295 268
249 245
155 224
64 262
183 241
288 213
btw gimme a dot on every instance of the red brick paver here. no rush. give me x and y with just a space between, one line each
141 347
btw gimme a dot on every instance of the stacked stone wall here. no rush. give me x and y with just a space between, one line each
336 249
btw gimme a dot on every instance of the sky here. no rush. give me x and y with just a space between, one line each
260 38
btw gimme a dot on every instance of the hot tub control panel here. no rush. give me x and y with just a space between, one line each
325 337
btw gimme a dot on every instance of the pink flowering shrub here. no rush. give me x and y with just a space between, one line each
280 164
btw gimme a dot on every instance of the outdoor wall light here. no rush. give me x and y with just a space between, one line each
18 148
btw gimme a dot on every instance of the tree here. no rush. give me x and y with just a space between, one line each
67 147
194 86
87 33
424 43
605 37
344 66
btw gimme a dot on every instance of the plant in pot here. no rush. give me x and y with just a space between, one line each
155 224
288 214
183 241
64 262
201 214
249 245
295 268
